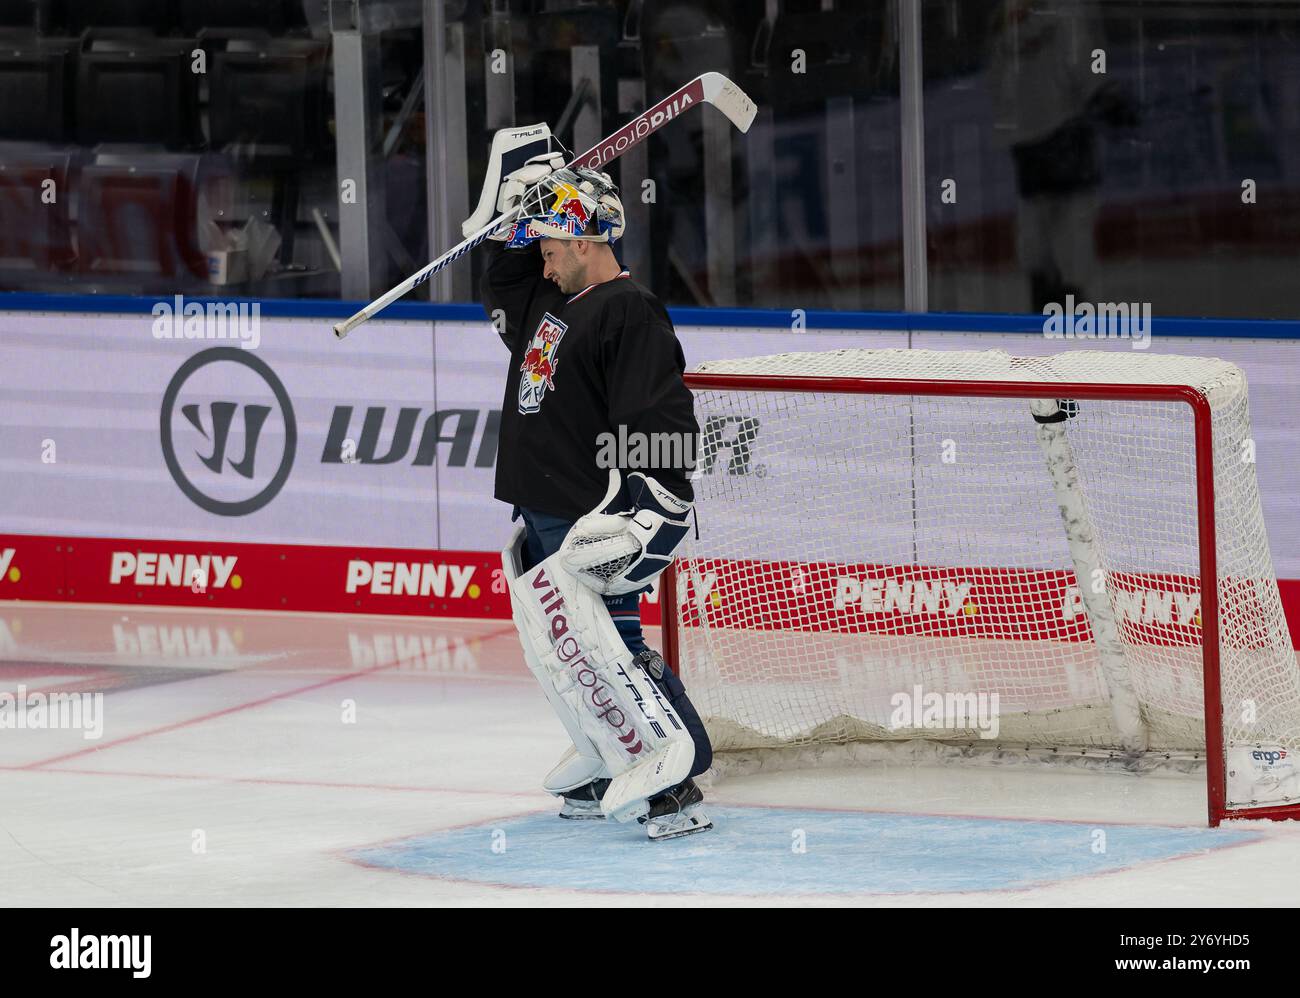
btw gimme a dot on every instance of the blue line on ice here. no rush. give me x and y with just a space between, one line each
753 850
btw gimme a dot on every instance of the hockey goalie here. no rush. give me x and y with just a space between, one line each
591 352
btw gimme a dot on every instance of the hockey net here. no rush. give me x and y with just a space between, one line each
991 553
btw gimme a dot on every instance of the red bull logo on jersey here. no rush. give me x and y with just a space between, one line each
538 369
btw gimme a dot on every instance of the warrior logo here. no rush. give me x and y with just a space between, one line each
538 368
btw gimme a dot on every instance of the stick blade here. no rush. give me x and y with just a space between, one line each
729 99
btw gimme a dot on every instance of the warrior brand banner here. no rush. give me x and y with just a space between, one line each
111 431
358 474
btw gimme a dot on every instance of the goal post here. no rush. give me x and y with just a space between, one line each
892 541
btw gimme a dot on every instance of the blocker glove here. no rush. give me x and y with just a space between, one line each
615 553
518 159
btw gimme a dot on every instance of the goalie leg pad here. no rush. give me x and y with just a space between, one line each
672 687
619 708
575 770
585 757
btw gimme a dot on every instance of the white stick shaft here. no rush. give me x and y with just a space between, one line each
420 276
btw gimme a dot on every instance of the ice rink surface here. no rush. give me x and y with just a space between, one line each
291 759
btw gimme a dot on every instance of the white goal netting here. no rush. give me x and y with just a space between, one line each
943 566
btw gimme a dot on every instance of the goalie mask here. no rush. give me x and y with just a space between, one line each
570 204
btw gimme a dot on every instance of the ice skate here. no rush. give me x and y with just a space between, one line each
677 812
583 803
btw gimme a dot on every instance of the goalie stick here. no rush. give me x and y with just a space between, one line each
710 88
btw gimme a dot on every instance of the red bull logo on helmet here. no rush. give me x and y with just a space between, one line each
525 233
575 210
522 233
568 204
537 372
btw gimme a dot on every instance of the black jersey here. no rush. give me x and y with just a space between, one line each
581 366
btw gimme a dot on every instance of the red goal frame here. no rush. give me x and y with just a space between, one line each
1204 444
